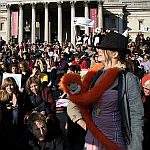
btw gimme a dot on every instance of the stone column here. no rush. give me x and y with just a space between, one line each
100 14
20 37
86 16
59 22
46 23
72 22
33 23
49 26
120 17
8 23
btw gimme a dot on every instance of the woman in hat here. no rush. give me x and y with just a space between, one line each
109 99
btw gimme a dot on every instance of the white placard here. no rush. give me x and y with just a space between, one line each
17 78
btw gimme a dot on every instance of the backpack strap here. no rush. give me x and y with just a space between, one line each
100 71
123 105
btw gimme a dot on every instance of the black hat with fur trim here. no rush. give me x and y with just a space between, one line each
114 41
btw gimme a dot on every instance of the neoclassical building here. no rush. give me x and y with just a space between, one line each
50 19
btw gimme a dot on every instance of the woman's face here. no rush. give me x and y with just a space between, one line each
21 68
34 88
101 55
14 69
105 56
10 88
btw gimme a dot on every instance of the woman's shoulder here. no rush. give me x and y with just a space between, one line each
129 74
133 80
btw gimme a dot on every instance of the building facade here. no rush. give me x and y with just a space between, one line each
54 19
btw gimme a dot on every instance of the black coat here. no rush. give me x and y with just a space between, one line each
7 135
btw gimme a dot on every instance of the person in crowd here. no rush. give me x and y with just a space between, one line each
146 103
61 67
76 127
46 60
51 70
43 77
42 64
139 40
80 61
147 41
14 68
26 57
6 126
74 68
109 99
83 63
145 63
14 103
4 68
138 70
94 60
39 98
2 43
40 135
13 60
23 69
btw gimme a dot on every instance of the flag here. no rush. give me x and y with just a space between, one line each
83 21
125 33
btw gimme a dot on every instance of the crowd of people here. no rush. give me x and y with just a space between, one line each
116 69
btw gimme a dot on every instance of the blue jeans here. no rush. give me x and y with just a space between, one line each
15 114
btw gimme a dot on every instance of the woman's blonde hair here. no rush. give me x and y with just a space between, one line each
4 96
122 59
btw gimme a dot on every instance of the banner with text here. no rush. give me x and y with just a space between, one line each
14 25
93 16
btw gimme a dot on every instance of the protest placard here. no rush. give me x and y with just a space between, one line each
17 78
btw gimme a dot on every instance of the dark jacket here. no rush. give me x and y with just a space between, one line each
44 101
6 128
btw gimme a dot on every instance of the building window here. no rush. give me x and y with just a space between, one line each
1 26
140 24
